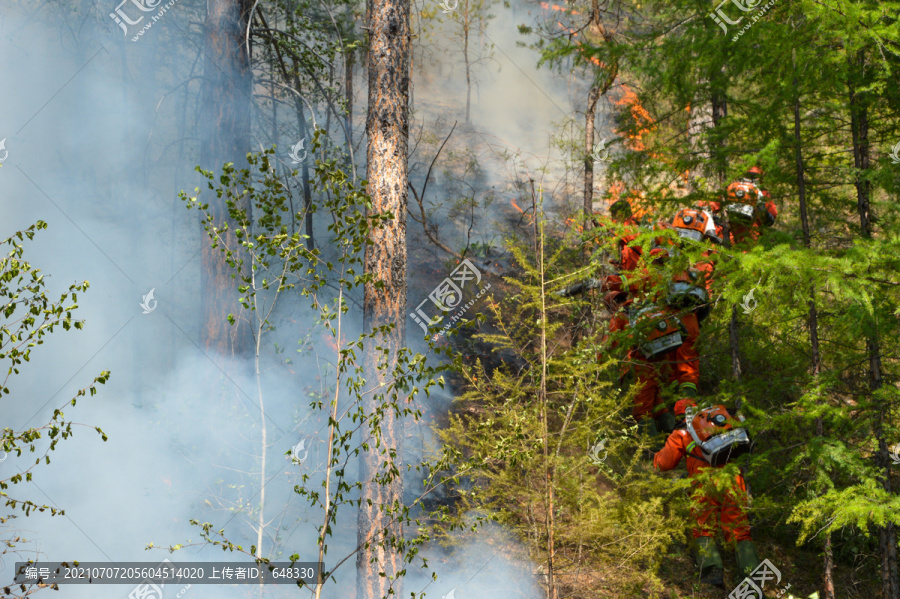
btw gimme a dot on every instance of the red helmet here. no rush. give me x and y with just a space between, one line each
682 404
755 172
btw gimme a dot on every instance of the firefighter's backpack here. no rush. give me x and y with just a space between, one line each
663 329
712 431
691 223
742 198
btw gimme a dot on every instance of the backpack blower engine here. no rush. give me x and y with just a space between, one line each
713 432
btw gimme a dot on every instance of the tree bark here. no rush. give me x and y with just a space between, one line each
589 119
699 121
598 89
719 113
387 126
225 137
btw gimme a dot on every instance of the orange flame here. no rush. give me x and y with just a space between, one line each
516 206
641 117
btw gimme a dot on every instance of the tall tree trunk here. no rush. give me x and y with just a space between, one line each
549 469
813 320
699 121
307 192
719 113
465 18
589 114
598 89
348 91
225 137
859 124
719 155
387 125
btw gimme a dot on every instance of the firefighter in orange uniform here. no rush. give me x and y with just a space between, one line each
702 439
666 351
611 284
620 212
698 225
749 208
675 311
620 291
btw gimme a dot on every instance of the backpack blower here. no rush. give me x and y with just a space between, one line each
713 431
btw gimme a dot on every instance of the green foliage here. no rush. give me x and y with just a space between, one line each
820 461
530 424
29 315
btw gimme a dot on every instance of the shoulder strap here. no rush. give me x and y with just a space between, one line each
689 426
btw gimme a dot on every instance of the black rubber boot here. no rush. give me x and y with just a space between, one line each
710 562
746 558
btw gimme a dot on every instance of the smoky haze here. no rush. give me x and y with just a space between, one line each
101 135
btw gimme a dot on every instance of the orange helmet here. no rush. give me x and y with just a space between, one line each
754 172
